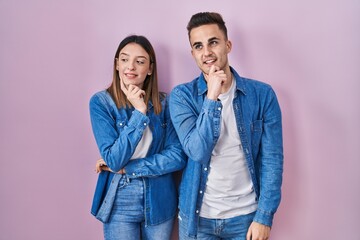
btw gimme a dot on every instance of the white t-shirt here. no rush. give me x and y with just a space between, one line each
143 146
229 189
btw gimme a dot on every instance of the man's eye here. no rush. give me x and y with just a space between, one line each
197 47
212 43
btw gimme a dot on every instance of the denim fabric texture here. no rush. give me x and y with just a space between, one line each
234 228
197 122
125 218
117 133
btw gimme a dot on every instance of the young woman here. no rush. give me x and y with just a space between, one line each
135 196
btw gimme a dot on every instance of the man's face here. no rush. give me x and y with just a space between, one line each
209 47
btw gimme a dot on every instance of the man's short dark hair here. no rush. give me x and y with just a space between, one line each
204 18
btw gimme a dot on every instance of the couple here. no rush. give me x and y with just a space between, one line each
222 130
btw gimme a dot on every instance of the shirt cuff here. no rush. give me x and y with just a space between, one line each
138 121
212 107
264 217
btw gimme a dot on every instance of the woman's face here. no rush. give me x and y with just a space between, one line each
133 65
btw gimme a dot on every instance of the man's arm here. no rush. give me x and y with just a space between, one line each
270 161
197 132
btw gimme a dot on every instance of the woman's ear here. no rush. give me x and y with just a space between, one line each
150 69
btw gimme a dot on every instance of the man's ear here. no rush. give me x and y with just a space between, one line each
228 46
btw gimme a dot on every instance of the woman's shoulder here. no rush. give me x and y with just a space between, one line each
102 98
99 95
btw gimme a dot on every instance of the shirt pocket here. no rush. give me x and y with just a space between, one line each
158 126
123 181
161 131
163 125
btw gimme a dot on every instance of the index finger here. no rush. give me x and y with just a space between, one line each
213 69
123 87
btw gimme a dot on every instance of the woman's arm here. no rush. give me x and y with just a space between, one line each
115 148
171 158
101 166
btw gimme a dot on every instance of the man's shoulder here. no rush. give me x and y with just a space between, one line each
190 84
246 83
253 85
186 87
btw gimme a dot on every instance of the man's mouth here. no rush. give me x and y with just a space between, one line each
210 61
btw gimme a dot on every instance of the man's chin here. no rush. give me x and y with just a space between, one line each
205 72
205 69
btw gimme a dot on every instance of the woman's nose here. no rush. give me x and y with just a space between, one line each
131 65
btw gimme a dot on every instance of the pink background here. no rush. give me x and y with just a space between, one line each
55 54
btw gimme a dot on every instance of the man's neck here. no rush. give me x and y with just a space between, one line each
227 86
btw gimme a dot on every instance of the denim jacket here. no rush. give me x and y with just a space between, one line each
197 122
117 133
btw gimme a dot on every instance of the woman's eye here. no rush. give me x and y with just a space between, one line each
140 62
123 59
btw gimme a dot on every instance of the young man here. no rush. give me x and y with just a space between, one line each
230 128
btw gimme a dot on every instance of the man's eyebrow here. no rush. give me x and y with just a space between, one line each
213 38
196 43
209 40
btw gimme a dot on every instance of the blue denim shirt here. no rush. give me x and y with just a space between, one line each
197 122
117 133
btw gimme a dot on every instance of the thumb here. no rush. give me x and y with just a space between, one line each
248 235
123 87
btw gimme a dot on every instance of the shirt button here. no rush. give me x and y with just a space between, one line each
120 124
205 169
201 192
144 124
197 211
133 174
219 108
